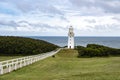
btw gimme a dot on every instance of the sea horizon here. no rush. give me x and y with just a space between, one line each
110 41
55 36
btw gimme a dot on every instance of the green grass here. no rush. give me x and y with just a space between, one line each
3 58
69 68
68 53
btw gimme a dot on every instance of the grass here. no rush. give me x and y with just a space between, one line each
68 53
3 58
69 68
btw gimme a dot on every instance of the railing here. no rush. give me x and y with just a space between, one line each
14 64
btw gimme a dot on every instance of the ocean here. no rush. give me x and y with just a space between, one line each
113 42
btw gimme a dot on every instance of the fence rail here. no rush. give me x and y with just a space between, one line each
14 64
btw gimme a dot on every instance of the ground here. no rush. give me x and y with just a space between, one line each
3 58
65 67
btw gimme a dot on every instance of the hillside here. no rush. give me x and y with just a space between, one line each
69 68
68 53
10 45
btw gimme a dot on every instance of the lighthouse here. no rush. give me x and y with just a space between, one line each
70 38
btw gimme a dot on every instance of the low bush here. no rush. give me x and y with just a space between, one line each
95 50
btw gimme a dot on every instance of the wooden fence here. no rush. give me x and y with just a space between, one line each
14 64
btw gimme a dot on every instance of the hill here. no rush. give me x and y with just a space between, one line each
68 53
69 68
10 45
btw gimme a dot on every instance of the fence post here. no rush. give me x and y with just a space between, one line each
9 67
12 66
1 69
7 64
28 61
16 65
20 63
24 62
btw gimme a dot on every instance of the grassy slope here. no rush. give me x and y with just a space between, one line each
3 58
69 68
68 53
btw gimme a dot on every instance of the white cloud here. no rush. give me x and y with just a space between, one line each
50 17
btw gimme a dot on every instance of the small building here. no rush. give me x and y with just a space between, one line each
70 38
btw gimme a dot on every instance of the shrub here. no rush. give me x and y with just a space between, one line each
10 45
94 50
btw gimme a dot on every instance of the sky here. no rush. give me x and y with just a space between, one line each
53 17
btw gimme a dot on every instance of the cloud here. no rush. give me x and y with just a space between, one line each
26 6
109 6
116 18
90 20
9 9
108 29
101 6
8 23
54 16
27 26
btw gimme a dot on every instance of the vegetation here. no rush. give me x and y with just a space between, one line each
69 68
69 53
94 50
23 46
3 58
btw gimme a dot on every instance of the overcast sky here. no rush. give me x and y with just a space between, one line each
53 17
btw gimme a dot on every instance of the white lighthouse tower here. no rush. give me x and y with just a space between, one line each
70 38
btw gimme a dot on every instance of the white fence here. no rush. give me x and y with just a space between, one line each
14 64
